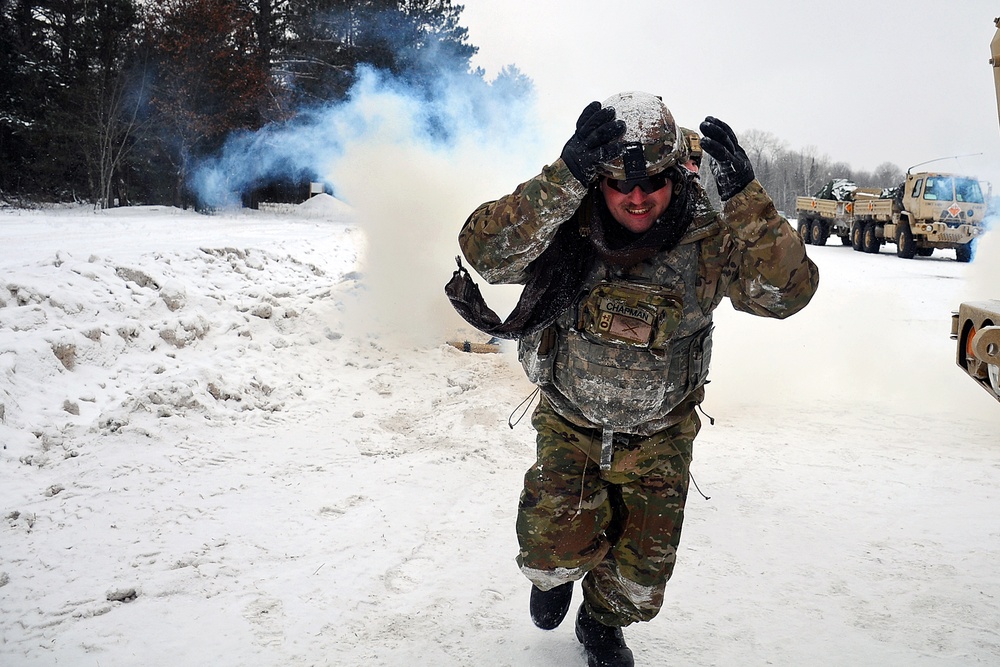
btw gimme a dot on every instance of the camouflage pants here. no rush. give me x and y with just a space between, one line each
618 530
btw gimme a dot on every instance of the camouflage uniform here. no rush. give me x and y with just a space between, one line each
618 525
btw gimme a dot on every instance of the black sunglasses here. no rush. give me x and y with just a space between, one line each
649 184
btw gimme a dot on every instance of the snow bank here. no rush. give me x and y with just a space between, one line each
324 205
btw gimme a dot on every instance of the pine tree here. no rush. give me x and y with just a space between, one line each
416 40
57 59
29 84
209 79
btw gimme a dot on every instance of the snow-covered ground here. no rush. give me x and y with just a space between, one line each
227 441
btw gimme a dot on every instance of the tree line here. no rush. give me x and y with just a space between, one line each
113 101
786 173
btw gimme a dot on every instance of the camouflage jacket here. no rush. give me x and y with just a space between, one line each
748 253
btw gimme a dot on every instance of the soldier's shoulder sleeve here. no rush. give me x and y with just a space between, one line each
773 276
501 238
715 251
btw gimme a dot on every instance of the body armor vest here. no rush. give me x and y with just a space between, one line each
630 349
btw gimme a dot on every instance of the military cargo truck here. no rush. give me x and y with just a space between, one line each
827 213
819 219
830 212
929 211
932 211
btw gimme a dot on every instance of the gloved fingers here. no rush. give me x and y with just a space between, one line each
729 162
715 150
594 141
596 121
586 115
718 130
719 140
715 123
605 133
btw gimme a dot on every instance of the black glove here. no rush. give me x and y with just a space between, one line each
730 164
593 142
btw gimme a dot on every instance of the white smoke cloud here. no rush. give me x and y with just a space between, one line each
984 274
413 164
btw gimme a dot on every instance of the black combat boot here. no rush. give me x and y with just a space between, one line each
548 608
605 645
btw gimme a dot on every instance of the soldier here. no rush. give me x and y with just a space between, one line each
694 150
623 261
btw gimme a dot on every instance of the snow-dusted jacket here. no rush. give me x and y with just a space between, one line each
749 253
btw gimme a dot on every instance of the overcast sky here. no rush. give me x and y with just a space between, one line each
862 82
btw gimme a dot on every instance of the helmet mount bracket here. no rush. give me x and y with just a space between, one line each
634 161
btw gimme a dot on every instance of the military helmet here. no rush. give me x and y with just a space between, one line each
694 145
653 141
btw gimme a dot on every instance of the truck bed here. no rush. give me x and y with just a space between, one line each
874 209
823 208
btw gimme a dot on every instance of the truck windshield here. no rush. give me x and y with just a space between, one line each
939 188
968 190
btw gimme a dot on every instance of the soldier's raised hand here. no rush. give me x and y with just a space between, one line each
730 165
594 141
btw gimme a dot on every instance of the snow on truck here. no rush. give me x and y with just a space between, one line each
827 213
928 211
976 324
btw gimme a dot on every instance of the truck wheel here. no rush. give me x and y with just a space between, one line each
845 240
964 253
857 236
925 252
805 230
870 242
819 233
906 247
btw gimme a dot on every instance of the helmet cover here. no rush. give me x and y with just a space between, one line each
653 141
694 145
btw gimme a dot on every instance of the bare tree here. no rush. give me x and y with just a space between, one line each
115 121
887 175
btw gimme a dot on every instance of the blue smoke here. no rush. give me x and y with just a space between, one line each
454 108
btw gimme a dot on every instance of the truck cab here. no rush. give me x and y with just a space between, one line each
953 200
942 211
